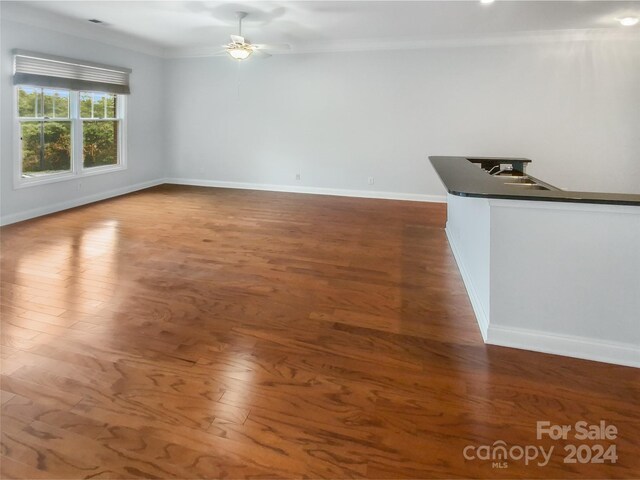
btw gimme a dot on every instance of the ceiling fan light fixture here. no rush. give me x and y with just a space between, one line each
239 53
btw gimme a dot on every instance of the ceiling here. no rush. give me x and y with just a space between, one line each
188 28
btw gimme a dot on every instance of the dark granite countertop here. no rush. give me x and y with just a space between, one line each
463 178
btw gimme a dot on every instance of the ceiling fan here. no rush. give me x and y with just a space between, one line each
241 48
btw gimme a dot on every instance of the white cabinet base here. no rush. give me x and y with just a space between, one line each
553 277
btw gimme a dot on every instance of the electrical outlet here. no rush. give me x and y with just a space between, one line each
298 176
371 181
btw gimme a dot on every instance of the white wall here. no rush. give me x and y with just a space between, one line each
338 118
145 111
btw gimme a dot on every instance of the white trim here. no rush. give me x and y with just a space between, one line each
89 171
76 202
569 346
25 182
413 197
481 316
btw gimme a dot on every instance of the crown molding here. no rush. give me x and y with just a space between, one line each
27 15
375 45
520 38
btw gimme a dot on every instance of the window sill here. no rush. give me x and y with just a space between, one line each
66 176
87 172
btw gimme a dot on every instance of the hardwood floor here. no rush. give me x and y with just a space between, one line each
185 332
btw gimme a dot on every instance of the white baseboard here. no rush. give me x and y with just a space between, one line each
481 316
568 346
76 202
414 197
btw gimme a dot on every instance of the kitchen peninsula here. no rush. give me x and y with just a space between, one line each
546 269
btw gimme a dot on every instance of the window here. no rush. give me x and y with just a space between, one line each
70 118
50 120
100 129
45 131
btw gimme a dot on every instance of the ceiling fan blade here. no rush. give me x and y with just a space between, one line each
261 54
275 46
237 39
217 53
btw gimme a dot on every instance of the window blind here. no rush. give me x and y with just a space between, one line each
50 71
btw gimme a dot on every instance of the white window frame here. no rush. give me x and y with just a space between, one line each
77 157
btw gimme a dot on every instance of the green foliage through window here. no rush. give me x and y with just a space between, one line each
100 143
46 147
98 105
36 102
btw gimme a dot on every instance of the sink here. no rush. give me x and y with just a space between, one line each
520 180
527 185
